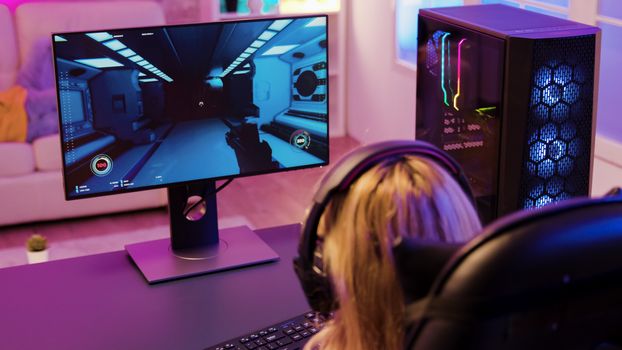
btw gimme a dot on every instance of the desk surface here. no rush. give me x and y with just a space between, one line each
103 302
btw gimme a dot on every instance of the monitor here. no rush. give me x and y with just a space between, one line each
73 101
183 106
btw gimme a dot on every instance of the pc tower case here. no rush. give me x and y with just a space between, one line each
511 94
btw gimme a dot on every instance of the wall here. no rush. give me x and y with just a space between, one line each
607 165
608 159
609 124
176 11
380 93
608 162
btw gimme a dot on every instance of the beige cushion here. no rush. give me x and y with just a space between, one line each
47 153
35 20
16 159
8 52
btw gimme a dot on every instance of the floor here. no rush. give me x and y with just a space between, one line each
259 201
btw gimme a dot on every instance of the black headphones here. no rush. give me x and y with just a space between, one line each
314 281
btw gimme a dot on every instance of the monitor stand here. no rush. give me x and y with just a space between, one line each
196 246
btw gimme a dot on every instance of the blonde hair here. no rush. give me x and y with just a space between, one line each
402 197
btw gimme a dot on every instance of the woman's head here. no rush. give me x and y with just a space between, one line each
401 197
414 196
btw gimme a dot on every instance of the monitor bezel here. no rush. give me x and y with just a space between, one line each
125 190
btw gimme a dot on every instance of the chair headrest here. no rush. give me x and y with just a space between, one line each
558 245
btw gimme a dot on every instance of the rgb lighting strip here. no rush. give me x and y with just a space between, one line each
459 73
446 66
443 67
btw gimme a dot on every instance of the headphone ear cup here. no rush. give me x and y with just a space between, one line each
317 288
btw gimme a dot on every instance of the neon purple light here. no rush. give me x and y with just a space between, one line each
459 72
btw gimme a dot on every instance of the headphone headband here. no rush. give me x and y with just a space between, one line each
354 164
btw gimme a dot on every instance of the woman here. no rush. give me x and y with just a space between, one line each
402 197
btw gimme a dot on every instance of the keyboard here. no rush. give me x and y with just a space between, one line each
291 334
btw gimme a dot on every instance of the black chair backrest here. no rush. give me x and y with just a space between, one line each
545 279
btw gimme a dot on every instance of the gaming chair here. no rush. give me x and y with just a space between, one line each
546 279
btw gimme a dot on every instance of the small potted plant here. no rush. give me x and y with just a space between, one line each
36 249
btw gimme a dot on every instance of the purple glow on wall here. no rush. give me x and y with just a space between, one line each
13 4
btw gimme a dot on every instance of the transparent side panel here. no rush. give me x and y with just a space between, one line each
459 97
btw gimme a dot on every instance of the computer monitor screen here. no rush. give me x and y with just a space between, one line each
176 104
73 102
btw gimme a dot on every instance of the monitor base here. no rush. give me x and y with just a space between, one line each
238 247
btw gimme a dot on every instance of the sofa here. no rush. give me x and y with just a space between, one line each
31 182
